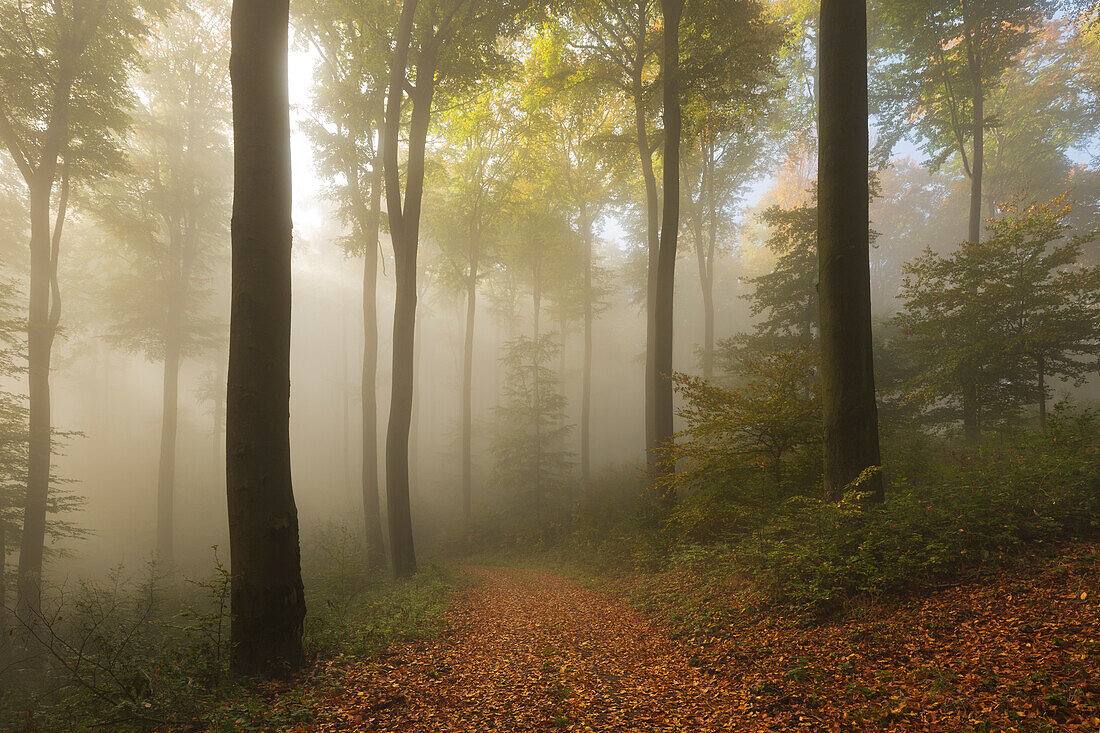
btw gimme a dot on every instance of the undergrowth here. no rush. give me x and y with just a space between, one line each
150 651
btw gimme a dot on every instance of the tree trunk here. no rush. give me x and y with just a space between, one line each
536 298
372 507
670 223
5 641
166 476
586 375
653 234
404 231
468 379
267 600
851 442
1042 384
703 256
40 334
977 161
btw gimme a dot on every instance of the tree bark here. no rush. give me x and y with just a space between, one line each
670 223
536 300
468 378
40 335
267 598
977 159
851 442
404 219
653 233
586 373
372 506
166 475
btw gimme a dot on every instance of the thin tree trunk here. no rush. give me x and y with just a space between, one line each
166 476
536 297
708 286
707 291
345 399
1042 384
468 379
977 161
586 376
5 642
267 598
372 507
670 223
851 442
404 231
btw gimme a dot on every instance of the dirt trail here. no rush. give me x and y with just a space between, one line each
527 651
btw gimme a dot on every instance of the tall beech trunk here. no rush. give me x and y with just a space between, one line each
970 405
653 232
670 223
267 599
404 216
372 505
40 337
851 442
44 313
166 475
586 373
468 376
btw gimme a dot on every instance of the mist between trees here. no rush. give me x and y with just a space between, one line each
503 173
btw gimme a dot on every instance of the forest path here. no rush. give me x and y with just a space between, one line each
531 651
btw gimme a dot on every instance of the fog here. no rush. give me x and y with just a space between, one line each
636 247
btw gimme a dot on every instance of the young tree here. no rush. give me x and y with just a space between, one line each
267 598
746 436
532 459
787 295
64 70
352 39
437 43
169 211
1004 314
848 405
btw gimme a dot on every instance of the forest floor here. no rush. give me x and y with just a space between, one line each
525 650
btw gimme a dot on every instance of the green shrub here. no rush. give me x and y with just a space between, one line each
1041 487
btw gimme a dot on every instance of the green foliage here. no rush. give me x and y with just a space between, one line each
985 506
744 449
935 59
166 217
786 297
64 80
532 462
1002 315
127 652
356 611
151 652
